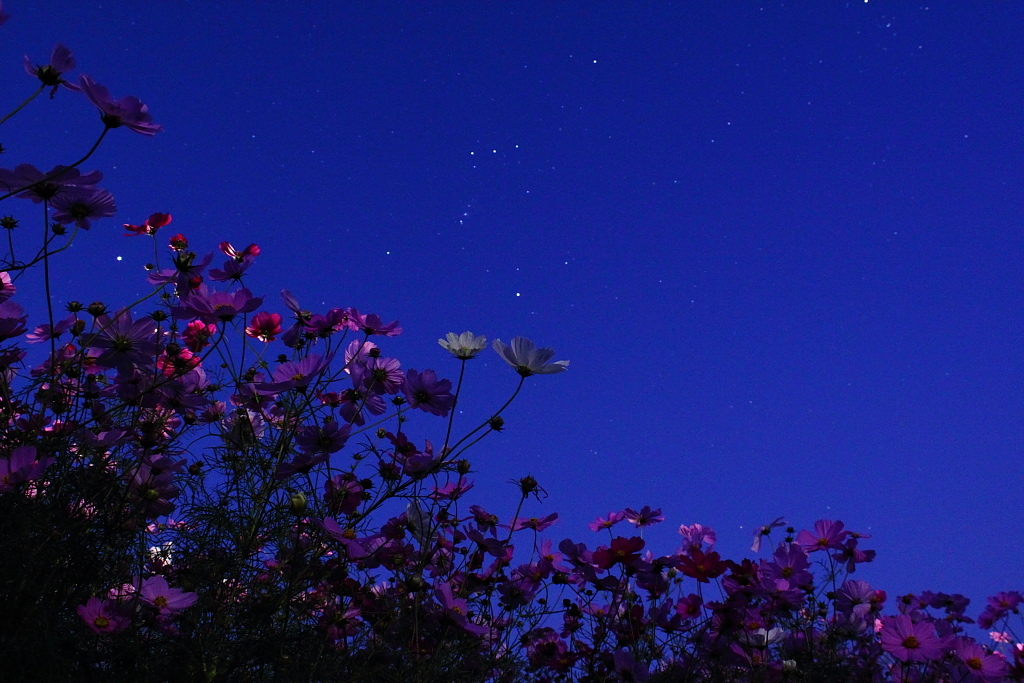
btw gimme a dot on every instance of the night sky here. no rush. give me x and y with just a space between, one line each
780 244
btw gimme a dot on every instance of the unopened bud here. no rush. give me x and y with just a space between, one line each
298 502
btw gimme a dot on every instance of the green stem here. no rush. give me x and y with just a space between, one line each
56 174
22 105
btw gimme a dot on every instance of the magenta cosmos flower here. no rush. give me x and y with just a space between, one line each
149 226
910 642
128 111
527 359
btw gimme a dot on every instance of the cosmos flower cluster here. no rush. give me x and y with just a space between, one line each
199 484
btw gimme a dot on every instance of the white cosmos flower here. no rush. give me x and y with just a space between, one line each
463 346
527 359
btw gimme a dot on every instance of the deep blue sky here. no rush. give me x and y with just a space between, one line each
781 244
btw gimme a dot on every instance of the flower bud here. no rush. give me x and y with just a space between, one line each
298 503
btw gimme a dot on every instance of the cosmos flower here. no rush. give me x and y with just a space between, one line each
7 288
79 205
128 111
425 391
645 517
211 307
21 466
328 438
527 359
463 346
826 535
535 523
608 522
123 342
296 374
30 183
149 226
910 642
103 616
12 320
51 74
983 664
156 593
765 531
264 326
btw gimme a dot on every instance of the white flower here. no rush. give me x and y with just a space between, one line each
763 637
527 359
463 346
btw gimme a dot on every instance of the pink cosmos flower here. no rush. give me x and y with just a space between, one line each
425 391
608 522
457 609
827 535
910 642
696 536
128 111
156 593
21 466
983 664
535 523
378 375
7 288
453 490
103 616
